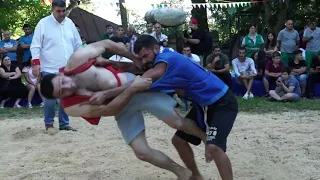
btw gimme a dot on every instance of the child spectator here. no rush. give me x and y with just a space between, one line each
32 76
272 71
288 88
299 69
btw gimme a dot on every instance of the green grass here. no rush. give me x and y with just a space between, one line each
253 106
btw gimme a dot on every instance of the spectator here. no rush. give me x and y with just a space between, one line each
253 41
288 88
299 69
314 76
11 85
55 39
259 59
25 42
312 37
271 45
245 71
8 47
218 64
108 35
149 29
119 37
288 41
161 38
84 41
187 52
131 34
196 39
272 71
32 76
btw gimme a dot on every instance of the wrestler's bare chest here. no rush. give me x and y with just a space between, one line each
98 79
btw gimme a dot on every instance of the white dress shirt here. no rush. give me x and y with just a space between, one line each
53 43
120 59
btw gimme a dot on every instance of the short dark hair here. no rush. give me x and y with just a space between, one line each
286 69
296 52
144 41
187 46
119 26
242 48
46 86
215 47
26 26
108 25
58 3
275 54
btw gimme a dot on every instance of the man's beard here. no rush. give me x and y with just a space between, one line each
147 65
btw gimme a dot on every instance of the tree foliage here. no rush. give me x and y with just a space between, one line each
269 16
13 14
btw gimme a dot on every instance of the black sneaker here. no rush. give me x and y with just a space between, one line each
49 126
69 128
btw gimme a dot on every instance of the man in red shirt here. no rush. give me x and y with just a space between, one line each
272 71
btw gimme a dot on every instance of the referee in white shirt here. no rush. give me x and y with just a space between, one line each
55 39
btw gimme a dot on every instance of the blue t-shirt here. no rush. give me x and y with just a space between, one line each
26 40
8 44
294 83
202 86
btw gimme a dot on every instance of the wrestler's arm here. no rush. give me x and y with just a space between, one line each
114 107
125 66
156 72
94 50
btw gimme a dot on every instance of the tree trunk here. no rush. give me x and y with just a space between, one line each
124 15
200 14
280 17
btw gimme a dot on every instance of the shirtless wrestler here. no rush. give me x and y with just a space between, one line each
85 74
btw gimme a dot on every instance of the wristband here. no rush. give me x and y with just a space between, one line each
35 62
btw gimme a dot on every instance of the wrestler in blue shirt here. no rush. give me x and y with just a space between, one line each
218 107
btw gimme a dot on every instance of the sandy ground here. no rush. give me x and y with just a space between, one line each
261 147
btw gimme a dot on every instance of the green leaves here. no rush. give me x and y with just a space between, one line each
13 14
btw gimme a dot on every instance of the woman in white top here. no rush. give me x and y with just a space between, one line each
32 76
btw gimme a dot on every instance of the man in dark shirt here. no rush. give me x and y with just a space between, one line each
298 68
314 76
108 35
196 39
120 37
218 64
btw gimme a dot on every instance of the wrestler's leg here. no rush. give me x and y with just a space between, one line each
162 106
131 125
143 152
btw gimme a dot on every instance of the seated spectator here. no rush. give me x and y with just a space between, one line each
218 64
187 52
245 71
259 59
32 76
299 69
288 87
11 85
272 71
314 76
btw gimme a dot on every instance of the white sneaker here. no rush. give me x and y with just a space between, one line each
30 106
41 104
251 95
245 96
